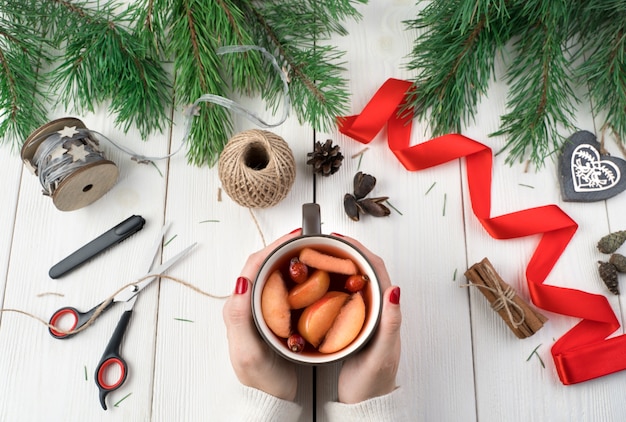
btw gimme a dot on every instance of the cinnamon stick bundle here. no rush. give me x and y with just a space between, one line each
518 314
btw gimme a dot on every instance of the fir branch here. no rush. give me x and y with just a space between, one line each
604 62
454 60
21 54
106 53
317 90
198 71
540 98
103 61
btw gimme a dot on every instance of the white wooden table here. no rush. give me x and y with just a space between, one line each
459 360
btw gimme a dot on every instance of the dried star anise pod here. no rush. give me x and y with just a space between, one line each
363 184
325 159
351 206
374 206
356 203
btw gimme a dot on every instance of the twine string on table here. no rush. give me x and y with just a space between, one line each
258 227
504 300
108 300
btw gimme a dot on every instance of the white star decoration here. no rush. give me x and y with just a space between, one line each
30 166
68 132
78 152
58 152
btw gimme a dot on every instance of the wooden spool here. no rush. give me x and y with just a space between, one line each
82 187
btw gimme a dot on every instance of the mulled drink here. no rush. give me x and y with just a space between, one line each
316 299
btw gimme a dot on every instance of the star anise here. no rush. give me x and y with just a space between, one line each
355 203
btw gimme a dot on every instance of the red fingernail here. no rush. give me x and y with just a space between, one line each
337 234
242 285
295 230
394 296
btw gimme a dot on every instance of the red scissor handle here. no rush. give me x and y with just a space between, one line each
79 319
102 372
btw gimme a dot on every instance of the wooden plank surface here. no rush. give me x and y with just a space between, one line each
459 361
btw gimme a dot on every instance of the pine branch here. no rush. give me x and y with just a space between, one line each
151 23
108 54
541 98
454 59
317 88
21 101
604 66
104 62
196 34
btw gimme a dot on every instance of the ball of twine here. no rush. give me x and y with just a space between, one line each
257 168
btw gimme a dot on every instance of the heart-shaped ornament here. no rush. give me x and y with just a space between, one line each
585 174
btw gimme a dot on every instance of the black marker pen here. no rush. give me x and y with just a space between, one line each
112 237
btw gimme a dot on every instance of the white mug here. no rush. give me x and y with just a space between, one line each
279 258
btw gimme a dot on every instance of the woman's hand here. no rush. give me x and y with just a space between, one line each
372 371
255 364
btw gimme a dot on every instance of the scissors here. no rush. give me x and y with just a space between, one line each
111 356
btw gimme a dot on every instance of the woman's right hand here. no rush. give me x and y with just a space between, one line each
372 371
254 363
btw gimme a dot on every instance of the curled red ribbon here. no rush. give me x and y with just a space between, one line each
584 352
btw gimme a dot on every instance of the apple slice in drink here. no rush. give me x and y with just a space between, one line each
274 305
317 318
346 326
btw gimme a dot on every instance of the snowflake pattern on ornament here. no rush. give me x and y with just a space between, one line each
590 173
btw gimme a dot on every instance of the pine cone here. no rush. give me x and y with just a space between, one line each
325 159
619 261
611 242
608 274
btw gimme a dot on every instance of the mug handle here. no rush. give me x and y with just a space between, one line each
311 220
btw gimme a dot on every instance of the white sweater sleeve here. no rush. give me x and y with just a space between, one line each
257 405
387 408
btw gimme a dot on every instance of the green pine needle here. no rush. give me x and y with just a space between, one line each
117 404
430 188
183 320
534 353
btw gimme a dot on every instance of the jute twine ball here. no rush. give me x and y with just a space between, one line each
257 168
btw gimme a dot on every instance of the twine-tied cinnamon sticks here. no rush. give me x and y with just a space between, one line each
519 316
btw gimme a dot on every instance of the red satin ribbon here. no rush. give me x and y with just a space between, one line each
584 352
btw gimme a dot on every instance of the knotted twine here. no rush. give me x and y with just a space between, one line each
101 308
257 168
504 300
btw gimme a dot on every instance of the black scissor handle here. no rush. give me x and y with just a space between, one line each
111 358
